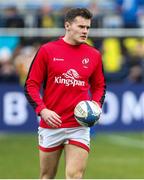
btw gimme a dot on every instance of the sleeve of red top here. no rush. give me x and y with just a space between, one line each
36 76
97 82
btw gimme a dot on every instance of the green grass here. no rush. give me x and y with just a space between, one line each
112 156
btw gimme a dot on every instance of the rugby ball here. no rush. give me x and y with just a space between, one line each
87 113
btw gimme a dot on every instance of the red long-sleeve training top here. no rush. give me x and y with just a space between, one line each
69 74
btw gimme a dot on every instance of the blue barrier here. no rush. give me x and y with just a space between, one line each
123 109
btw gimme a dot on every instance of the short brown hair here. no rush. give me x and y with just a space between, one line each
74 12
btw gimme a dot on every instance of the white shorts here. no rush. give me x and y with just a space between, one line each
54 139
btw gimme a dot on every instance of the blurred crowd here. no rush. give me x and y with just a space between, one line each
107 13
123 57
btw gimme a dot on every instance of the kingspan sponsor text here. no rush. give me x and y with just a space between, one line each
67 82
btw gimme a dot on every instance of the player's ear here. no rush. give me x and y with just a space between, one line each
67 26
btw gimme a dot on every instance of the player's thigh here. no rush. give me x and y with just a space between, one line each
49 162
50 148
76 160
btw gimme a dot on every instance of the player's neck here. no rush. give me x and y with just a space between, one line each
69 41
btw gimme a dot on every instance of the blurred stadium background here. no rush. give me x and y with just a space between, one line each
117 149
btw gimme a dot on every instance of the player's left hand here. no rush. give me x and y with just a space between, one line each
98 105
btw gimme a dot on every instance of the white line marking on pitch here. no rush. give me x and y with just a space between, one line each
126 141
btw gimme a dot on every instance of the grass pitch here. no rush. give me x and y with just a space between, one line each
112 156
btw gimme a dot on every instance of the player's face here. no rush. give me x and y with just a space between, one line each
77 30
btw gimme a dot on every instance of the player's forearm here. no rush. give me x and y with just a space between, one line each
33 96
98 95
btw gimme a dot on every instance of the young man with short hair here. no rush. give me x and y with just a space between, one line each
69 69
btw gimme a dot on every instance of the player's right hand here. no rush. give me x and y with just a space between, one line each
51 118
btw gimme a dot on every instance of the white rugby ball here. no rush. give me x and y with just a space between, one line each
87 113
